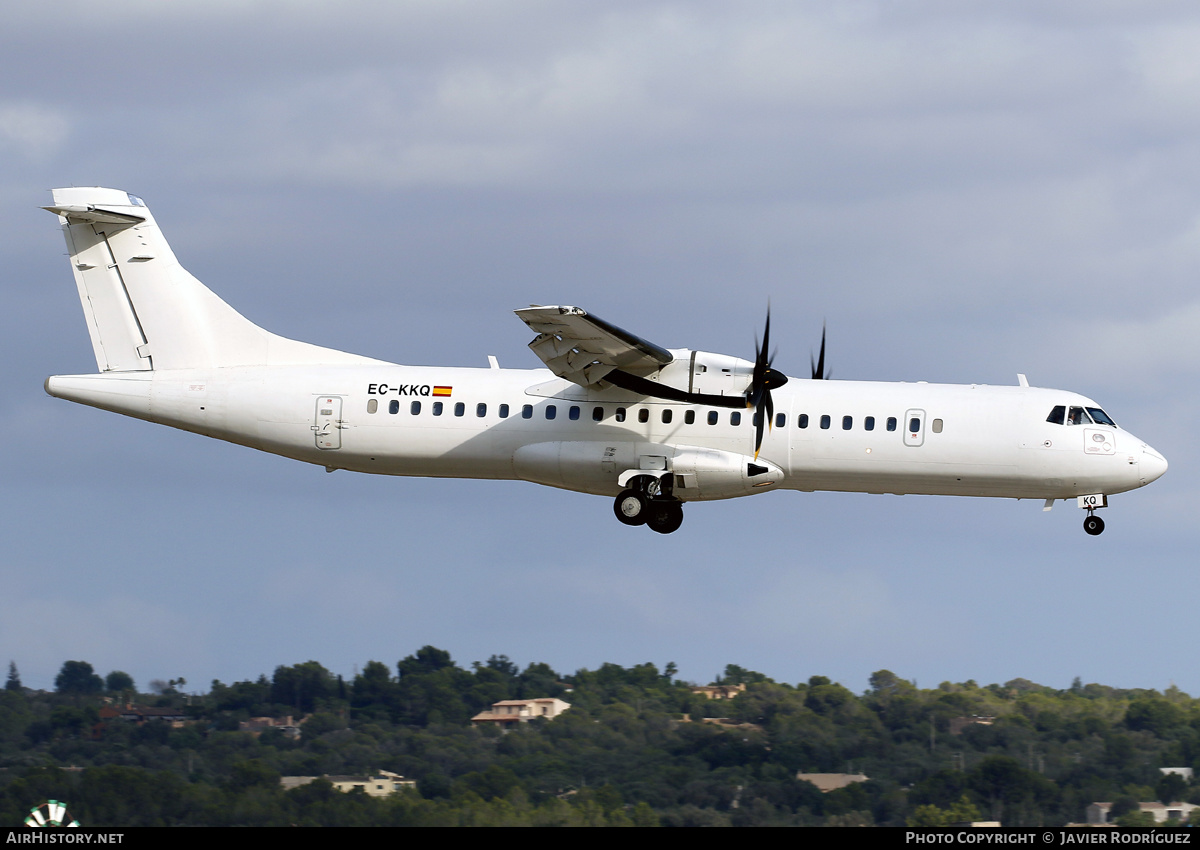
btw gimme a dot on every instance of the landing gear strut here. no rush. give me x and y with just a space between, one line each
1093 525
649 502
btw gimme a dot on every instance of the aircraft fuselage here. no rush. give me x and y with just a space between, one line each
969 440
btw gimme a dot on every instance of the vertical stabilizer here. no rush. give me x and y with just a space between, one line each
144 311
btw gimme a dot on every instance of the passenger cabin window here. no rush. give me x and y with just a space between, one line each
573 413
712 417
735 418
869 423
620 414
825 422
891 423
372 405
914 425
459 408
597 414
481 410
393 406
551 411
847 423
689 418
414 408
666 415
503 411
437 408
936 426
802 420
1058 415
527 411
780 420
644 415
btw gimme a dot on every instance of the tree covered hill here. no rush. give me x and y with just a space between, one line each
636 748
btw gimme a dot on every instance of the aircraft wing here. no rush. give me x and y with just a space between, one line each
583 348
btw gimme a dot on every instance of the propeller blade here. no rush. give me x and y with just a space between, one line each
818 368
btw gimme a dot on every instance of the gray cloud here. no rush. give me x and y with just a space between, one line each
964 192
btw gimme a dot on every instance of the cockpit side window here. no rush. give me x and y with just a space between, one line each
1100 417
1078 416
1058 414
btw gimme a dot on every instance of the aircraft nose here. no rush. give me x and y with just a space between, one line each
1152 465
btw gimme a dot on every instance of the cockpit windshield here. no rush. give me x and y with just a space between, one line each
1079 416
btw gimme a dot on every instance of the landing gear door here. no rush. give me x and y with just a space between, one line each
914 427
327 422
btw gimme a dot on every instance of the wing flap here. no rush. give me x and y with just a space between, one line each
583 348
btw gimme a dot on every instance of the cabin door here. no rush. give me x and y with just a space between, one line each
327 422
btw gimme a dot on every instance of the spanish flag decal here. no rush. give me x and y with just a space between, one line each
442 390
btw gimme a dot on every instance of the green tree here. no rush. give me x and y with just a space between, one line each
14 678
1154 714
118 681
1136 819
737 675
1017 796
429 659
373 692
963 811
885 684
303 686
78 677
1171 788
432 689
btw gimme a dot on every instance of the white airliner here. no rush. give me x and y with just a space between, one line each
613 414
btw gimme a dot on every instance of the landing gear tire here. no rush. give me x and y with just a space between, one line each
665 517
632 507
1093 525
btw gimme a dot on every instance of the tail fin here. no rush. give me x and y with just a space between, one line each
145 311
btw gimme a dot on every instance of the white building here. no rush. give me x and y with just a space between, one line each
509 712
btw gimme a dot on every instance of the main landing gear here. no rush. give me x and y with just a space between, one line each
647 502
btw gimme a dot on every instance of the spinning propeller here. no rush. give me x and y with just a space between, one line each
764 378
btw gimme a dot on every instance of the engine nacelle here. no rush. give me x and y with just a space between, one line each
701 474
604 468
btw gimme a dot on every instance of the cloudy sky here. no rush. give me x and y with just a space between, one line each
963 192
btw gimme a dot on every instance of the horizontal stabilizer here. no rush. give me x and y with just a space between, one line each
77 212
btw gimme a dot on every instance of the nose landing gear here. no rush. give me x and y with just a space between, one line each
1093 525
647 502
